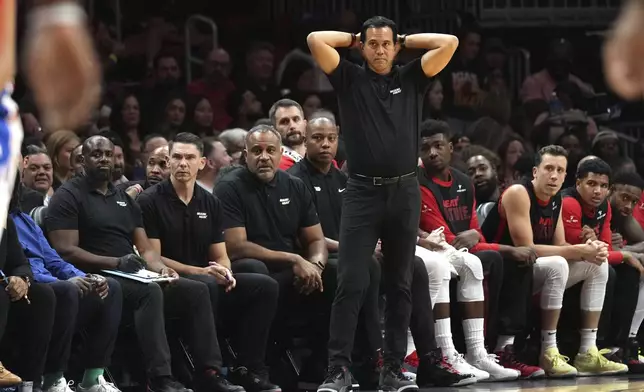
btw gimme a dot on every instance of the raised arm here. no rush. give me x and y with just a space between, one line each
323 46
440 47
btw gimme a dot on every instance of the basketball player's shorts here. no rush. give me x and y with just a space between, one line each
10 142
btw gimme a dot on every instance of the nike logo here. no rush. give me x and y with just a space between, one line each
551 333
341 190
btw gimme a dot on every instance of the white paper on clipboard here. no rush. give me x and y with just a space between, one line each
143 276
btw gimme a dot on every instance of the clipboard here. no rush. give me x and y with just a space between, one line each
143 276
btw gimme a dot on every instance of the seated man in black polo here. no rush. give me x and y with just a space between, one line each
269 216
183 222
156 170
327 184
95 226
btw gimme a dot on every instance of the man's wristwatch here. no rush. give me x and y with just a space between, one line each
27 280
320 265
401 40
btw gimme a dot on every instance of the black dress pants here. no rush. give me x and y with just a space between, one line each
515 299
624 302
27 328
183 300
246 313
370 212
99 318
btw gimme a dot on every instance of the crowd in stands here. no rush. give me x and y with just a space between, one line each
231 186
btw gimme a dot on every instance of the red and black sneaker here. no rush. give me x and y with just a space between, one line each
435 371
508 359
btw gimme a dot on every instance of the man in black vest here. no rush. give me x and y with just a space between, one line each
536 222
380 110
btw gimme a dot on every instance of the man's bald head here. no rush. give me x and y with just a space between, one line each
91 143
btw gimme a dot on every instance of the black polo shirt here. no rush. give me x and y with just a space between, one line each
186 231
105 223
380 117
327 190
272 213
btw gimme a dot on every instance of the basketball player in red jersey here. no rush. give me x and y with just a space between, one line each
624 52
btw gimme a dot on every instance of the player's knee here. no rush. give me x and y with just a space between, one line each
557 267
473 265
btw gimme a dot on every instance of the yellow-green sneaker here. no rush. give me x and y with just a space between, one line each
593 363
556 365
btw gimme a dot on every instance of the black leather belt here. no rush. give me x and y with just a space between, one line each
379 181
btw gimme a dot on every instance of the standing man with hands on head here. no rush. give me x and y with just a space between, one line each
380 110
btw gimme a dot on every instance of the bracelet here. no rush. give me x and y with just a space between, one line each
402 39
67 13
353 39
319 265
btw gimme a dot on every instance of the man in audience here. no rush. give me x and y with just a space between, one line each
529 214
38 172
150 144
447 204
269 216
184 224
76 160
216 158
327 184
156 170
88 302
587 214
96 226
288 118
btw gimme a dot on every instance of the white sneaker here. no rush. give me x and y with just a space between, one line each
61 386
460 365
102 386
490 364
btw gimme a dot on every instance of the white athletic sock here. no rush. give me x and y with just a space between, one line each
588 339
638 316
548 339
502 341
411 347
444 336
474 339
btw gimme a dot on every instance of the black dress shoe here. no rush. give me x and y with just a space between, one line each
212 381
252 381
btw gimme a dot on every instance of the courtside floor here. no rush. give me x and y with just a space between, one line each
581 384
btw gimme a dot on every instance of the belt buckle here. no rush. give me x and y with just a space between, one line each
378 181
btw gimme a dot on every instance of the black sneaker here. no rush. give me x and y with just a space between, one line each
392 379
252 381
166 384
435 371
338 379
632 357
212 381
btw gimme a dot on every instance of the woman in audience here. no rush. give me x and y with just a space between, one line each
60 145
126 122
199 117
434 101
510 151
174 116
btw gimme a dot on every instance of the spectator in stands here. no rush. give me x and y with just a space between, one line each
510 151
245 108
166 74
288 118
327 184
259 76
270 216
199 117
535 208
587 214
434 101
234 140
462 82
311 103
157 170
216 158
150 144
216 86
90 303
32 310
174 115
76 161
573 146
38 172
606 146
126 122
494 65
448 204
179 209
94 226
60 145
541 85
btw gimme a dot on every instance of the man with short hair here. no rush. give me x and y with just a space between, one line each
216 158
529 215
288 118
184 224
96 227
327 184
38 172
269 216
380 114
156 170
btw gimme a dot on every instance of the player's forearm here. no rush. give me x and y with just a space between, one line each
182 269
153 260
332 245
335 39
635 248
317 252
430 41
568 252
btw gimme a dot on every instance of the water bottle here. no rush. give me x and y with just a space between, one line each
555 105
